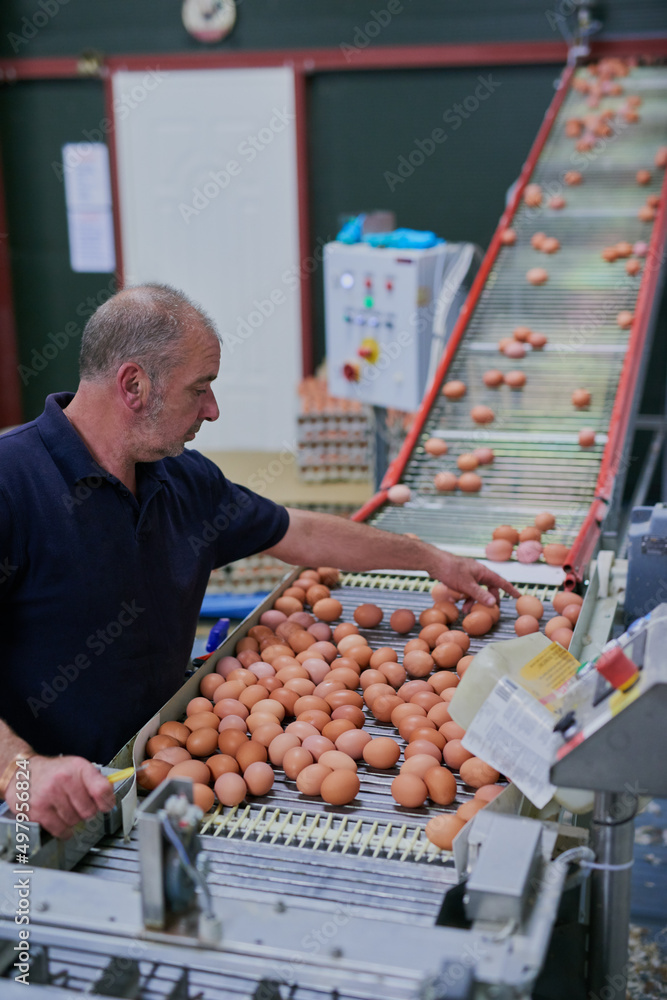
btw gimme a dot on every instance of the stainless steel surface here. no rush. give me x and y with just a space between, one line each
507 857
612 839
539 464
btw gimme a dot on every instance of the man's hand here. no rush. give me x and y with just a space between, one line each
471 578
63 791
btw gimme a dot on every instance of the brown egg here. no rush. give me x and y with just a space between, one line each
336 727
508 237
402 621
405 709
526 624
441 785
556 202
462 638
625 319
203 797
550 245
202 720
477 623
209 685
195 769
309 780
537 276
468 810
222 763
368 615
394 673
340 787
538 340
505 531
482 414
493 377
347 642
398 494
381 752
530 534
586 437
467 462
430 634
361 655
463 665
295 760
446 655
486 793
259 778
499 550
202 742
470 482
555 555
410 791
563 636
436 446
230 789
230 740
176 730
455 754
633 267
418 663
173 755
279 746
328 610
454 389
423 747
317 745
643 176
564 597
249 753
410 688
432 616
476 773
337 760
515 350
439 714
556 623
570 611
161 742
441 830
429 736
515 379
572 177
445 482
532 195
484 456
545 521
445 679
152 773
529 605
581 398
288 605
353 742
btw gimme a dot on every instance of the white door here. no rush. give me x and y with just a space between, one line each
208 203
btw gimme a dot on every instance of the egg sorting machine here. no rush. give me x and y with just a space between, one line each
308 900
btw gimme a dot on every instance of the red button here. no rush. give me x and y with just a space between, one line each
368 283
390 286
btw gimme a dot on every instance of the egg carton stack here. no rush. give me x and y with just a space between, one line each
335 436
252 575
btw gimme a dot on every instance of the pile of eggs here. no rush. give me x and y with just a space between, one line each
526 545
560 628
295 697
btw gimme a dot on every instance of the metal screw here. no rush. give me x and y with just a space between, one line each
336 952
280 907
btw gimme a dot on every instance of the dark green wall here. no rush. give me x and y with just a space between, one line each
361 123
155 25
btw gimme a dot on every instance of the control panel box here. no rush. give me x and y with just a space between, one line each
388 313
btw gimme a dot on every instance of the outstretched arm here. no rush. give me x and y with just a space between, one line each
326 540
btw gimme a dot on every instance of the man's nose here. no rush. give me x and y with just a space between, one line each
210 409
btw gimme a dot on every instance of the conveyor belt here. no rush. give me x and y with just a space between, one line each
299 846
539 464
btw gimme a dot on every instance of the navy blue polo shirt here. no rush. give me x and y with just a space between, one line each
100 590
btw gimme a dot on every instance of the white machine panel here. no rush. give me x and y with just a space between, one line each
380 306
208 203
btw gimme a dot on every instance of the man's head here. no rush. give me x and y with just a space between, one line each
160 353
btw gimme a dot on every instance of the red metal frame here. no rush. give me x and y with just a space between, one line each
585 542
10 394
113 170
303 200
395 470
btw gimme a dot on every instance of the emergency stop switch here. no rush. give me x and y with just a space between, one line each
351 371
369 350
617 668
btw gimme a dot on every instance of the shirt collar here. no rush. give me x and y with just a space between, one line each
68 450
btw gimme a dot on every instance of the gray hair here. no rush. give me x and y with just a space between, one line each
144 324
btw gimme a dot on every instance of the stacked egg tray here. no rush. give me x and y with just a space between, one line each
299 846
538 462
335 446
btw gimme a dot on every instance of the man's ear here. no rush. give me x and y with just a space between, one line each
133 385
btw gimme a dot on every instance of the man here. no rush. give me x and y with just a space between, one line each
108 539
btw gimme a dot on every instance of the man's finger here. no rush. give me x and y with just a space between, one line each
98 788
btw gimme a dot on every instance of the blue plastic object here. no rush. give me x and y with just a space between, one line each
217 634
230 605
403 239
352 230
